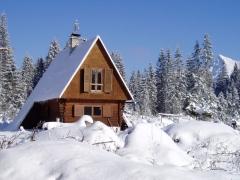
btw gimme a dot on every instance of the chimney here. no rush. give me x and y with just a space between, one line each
75 36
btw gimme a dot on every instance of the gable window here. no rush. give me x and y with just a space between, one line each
97 80
93 110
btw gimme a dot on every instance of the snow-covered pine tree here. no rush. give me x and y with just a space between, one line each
144 101
180 92
222 108
193 66
207 60
39 70
19 93
116 57
133 87
54 49
160 82
235 77
138 85
27 75
201 101
222 82
152 89
233 101
7 73
169 83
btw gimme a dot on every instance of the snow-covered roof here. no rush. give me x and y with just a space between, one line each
59 75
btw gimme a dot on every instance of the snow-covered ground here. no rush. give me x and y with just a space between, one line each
153 148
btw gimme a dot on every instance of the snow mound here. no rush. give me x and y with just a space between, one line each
71 160
188 134
97 134
101 135
148 143
85 120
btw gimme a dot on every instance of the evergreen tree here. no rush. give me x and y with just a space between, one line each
27 75
39 70
54 49
207 60
222 82
161 82
233 101
222 108
169 83
144 101
139 89
19 93
133 87
151 85
8 70
116 57
180 92
207 54
193 66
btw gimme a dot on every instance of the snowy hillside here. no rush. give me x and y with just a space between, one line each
153 148
223 60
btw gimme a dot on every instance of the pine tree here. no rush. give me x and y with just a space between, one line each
222 82
201 101
27 75
133 87
8 70
138 85
160 78
116 57
233 101
151 85
169 83
39 70
19 93
222 108
144 101
207 60
193 66
180 92
54 49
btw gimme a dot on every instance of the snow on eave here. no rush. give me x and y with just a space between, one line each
83 60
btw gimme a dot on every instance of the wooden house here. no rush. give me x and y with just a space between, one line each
82 79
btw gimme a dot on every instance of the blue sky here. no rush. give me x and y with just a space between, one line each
137 29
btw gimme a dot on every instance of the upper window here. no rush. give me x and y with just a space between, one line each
97 80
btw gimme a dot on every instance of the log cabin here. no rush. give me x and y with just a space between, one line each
81 80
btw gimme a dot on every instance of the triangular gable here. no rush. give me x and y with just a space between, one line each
85 57
58 76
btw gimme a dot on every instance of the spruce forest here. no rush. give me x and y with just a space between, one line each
174 85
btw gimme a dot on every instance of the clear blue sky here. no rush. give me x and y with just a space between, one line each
138 29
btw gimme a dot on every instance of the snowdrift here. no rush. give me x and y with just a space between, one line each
187 134
92 150
70 160
148 143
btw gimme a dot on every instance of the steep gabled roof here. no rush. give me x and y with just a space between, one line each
59 75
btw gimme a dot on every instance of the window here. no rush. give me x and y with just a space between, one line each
93 110
97 80
97 111
88 110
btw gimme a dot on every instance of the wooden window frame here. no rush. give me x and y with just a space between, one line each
96 84
93 106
